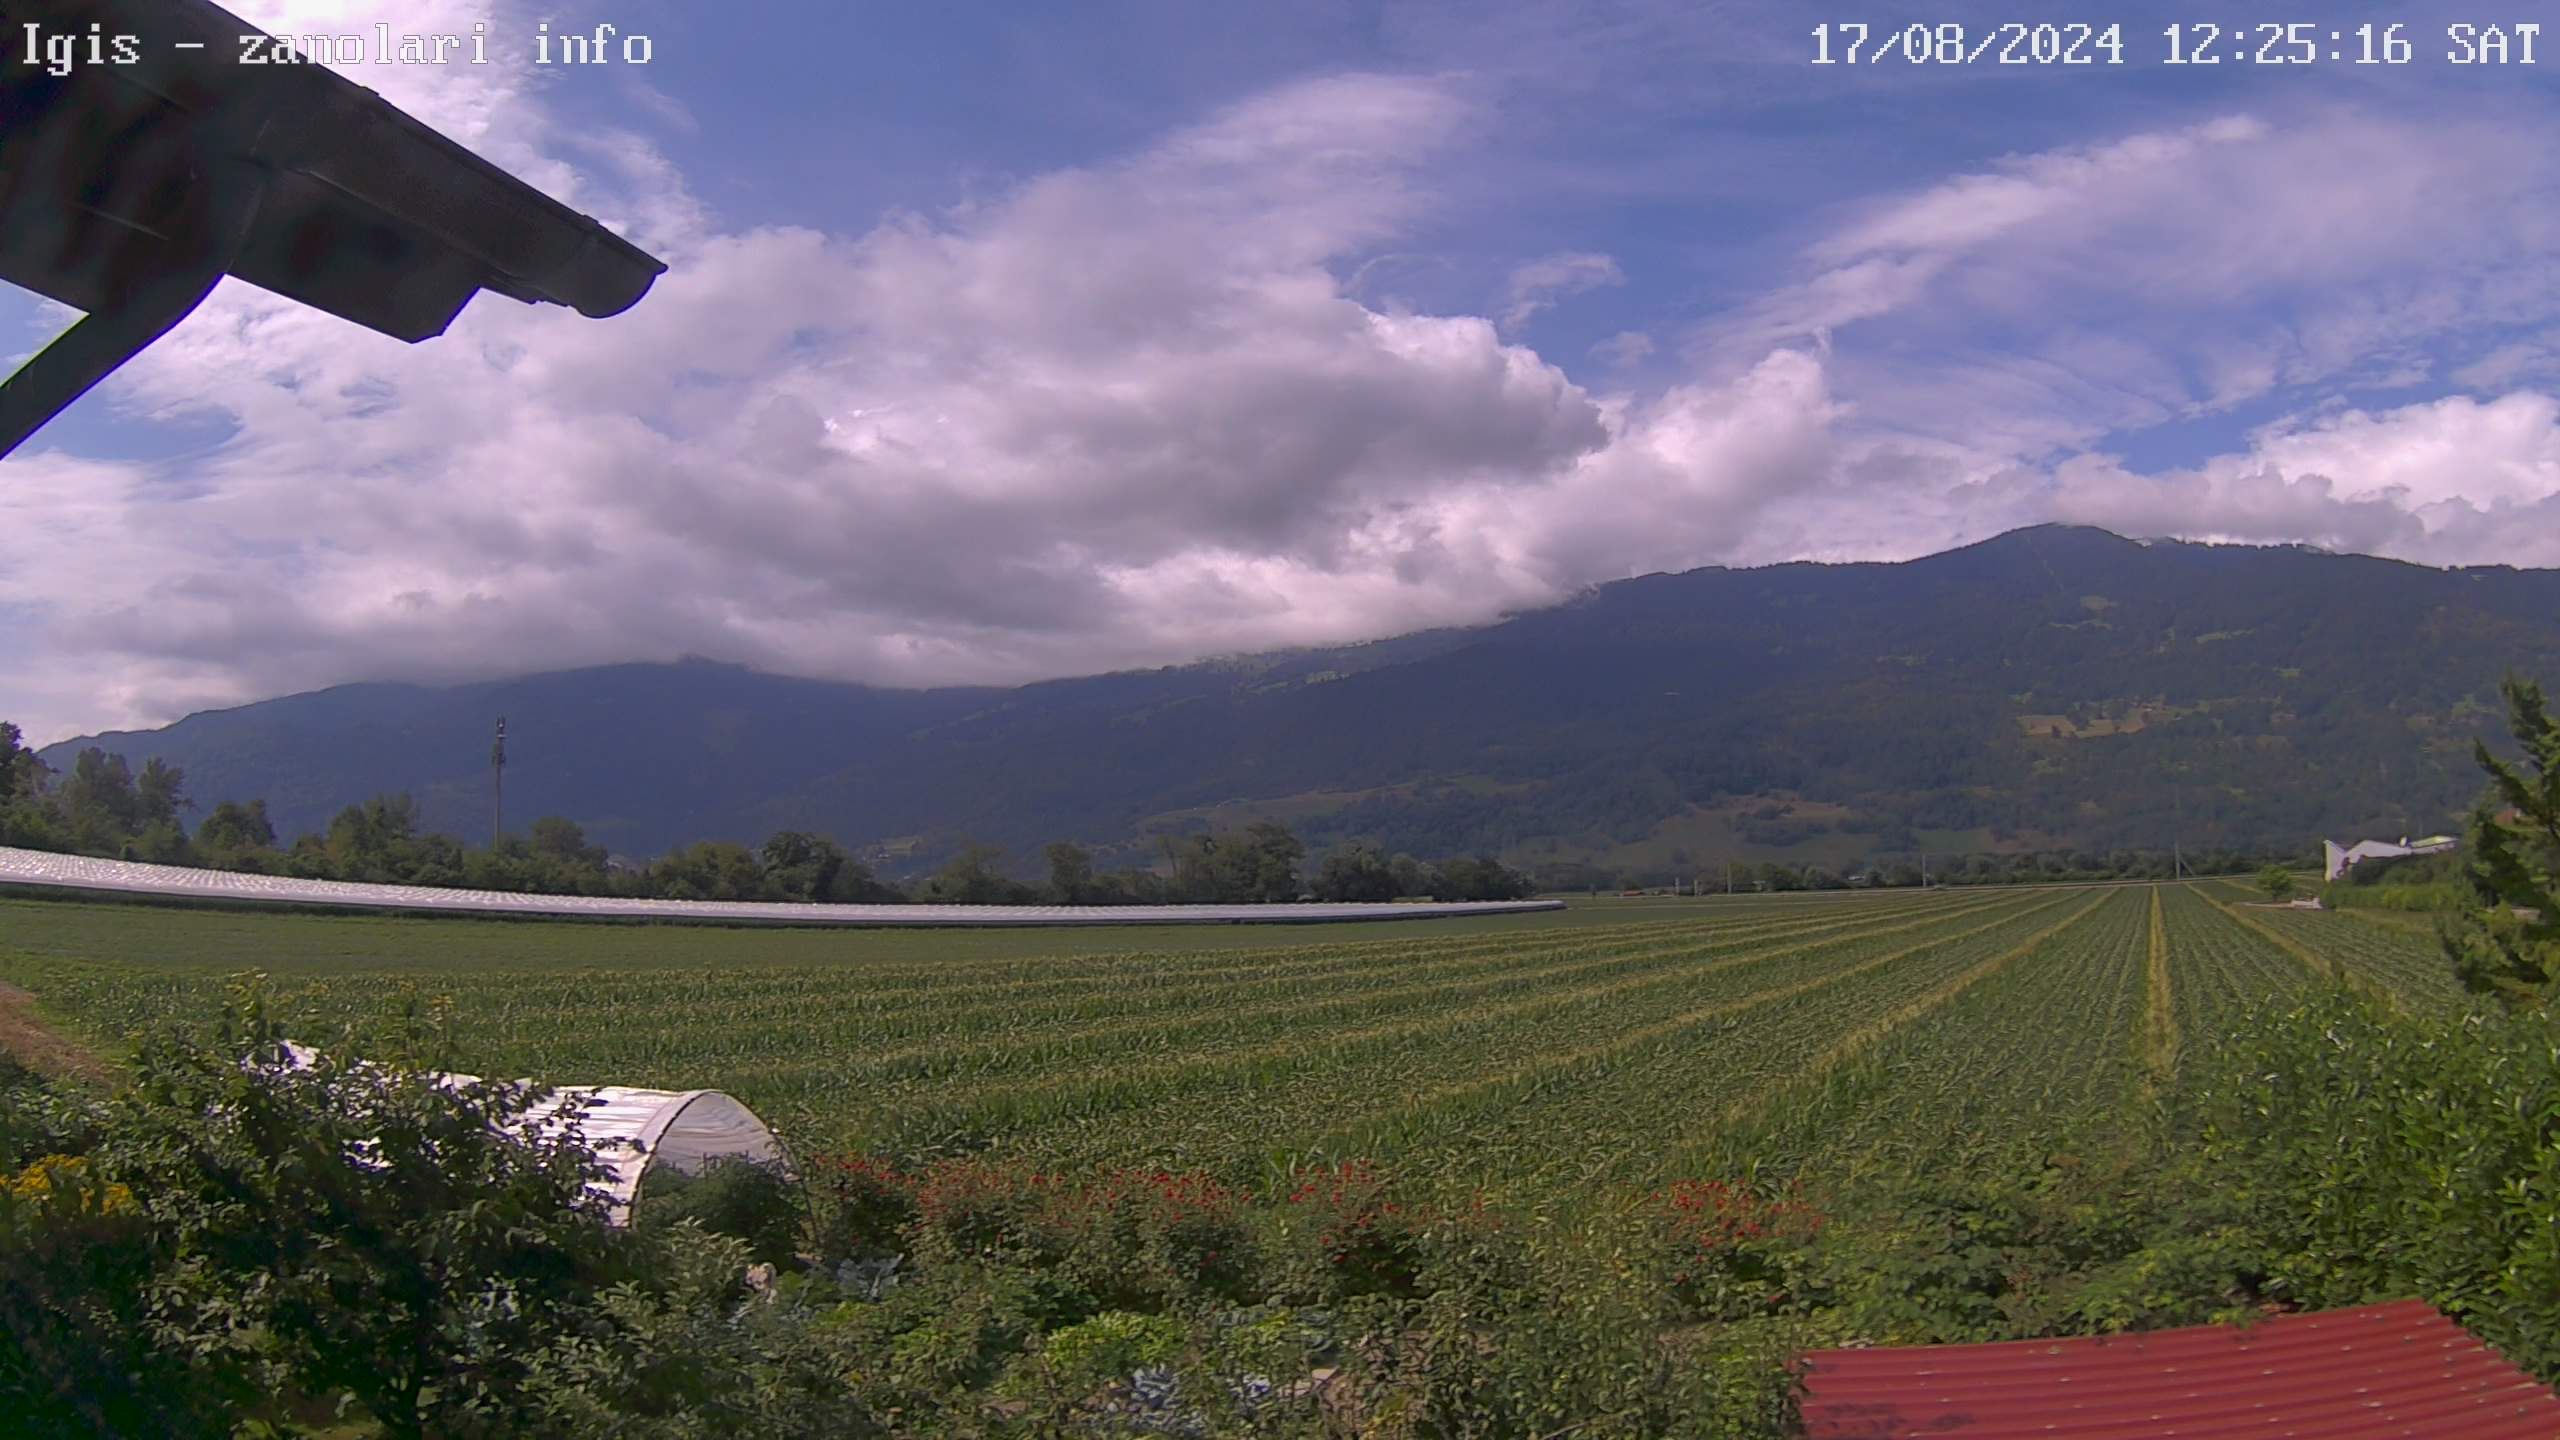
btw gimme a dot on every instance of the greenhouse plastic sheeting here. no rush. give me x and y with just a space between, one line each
634 1131
80 872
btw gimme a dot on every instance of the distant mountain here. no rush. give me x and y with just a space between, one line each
2053 686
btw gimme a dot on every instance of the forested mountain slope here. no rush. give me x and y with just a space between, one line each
2053 686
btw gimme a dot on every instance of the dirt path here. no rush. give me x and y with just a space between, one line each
36 1045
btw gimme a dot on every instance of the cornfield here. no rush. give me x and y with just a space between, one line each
1616 1046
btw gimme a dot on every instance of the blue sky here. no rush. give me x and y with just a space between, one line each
1007 341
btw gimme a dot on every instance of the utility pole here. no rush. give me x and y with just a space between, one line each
2177 859
498 786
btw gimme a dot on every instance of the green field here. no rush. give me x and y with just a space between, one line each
1611 1043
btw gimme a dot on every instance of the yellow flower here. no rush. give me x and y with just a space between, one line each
37 1183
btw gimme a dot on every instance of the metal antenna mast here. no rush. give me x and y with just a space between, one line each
498 785
2177 858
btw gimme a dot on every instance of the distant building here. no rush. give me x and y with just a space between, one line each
2339 858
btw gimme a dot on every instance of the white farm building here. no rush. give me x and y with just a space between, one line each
2338 859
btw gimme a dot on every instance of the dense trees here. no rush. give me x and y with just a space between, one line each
1982 868
2510 946
799 866
1258 864
972 877
1354 872
17 765
1070 872
709 870
235 830
104 808
1478 878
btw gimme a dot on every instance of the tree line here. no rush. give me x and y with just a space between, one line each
2062 866
104 807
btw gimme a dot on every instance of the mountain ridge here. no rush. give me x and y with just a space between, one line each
2058 685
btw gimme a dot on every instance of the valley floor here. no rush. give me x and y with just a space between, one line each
1617 1045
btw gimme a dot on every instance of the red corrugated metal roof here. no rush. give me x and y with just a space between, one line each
2398 1370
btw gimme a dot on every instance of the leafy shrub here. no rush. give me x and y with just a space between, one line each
1109 1346
1569 1330
2340 895
249 1245
363 1229
78 1355
754 1201
861 1207
695 1355
1155 1238
2380 1155
1143 1240
977 1208
2021 1244
1366 1243
37 1120
1735 1249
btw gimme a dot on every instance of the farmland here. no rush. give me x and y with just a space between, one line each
1616 1044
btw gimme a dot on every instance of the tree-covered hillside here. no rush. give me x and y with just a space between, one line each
2052 687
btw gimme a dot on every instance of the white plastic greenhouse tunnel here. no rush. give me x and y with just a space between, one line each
637 1133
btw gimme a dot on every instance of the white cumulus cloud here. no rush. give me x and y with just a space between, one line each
1132 412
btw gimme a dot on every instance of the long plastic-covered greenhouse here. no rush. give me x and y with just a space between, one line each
45 870
637 1133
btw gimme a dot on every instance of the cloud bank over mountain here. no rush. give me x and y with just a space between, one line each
1155 406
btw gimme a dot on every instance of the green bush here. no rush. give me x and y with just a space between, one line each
2381 1155
1109 1346
1734 1250
1569 1330
749 1200
694 1355
37 1119
860 1208
245 1244
1350 1237
2446 896
1138 1240
79 1352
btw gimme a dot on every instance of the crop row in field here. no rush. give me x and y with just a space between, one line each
1575 1083
2220 970
2405 960
871 977
2050 1044
568 1020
